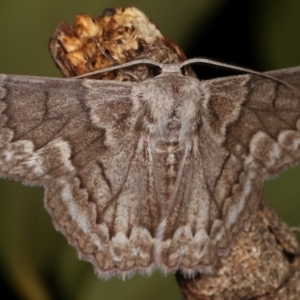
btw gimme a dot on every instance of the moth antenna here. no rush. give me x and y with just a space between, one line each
207 61
125 65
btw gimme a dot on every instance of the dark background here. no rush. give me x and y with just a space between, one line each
36 262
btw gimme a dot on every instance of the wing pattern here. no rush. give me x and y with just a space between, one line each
162 173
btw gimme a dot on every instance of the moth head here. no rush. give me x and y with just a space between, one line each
161 69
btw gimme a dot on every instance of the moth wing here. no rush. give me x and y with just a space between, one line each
52 127
78 139
264 140
249 132
266 136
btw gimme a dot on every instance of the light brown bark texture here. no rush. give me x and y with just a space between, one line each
263 264
264 261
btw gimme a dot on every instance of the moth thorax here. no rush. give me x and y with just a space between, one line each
173 111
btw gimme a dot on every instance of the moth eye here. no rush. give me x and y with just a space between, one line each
156 71
183 71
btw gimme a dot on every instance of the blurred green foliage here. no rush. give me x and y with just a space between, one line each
36 262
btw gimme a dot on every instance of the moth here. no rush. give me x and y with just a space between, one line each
162 173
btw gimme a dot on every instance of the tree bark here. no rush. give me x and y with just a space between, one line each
263 264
